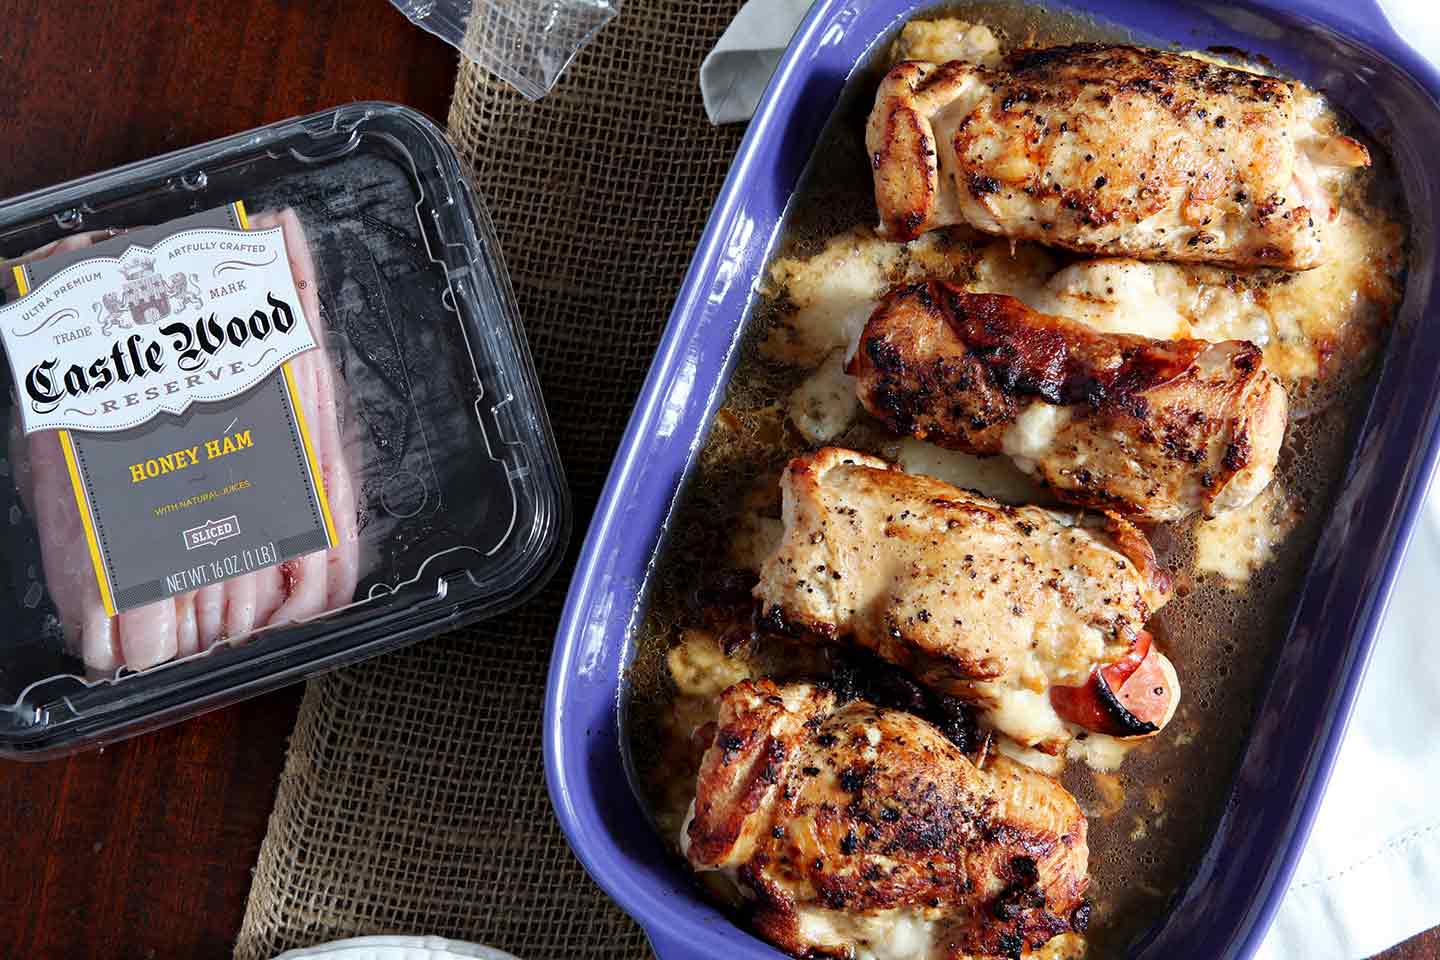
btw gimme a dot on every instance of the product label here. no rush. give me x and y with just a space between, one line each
108 343
162 360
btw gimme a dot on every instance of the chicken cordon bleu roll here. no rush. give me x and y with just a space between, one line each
1036 617
1155 429
1106 149
860 831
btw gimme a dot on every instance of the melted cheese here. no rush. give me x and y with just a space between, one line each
722 882
1098 751
1033 433
684 838
994 477
1052 764
901 934
699 668
1215 311
1334 312
946 38
1026 715
827 298
1019 269
825 404
829 295
1116 296
1067 946
1236 544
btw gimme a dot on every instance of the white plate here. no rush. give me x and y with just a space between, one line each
397 948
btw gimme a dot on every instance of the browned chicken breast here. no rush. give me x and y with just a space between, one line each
1107 149
853 827
1007 607
1155 429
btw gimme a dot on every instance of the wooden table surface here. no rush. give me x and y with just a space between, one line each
144 850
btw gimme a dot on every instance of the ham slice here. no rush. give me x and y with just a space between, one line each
194 622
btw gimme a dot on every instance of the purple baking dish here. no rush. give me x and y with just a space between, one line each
1346 48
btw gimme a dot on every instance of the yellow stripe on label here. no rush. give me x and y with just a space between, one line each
241 215
310 457
82 503
88 522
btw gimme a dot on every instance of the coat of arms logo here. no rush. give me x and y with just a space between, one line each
146 297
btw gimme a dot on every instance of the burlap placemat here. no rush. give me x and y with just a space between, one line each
413 797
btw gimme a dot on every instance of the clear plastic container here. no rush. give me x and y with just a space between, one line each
460 506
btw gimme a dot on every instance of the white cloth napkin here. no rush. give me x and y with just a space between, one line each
1370 875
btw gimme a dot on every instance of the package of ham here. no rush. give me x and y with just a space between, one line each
269 411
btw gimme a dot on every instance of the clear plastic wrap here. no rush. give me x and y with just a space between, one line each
428 431
526 43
